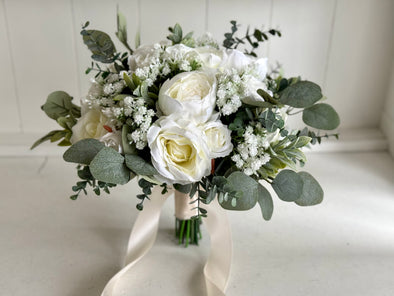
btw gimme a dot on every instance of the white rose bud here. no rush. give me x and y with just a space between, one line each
218 139
90 125
178 150
113 140
192 93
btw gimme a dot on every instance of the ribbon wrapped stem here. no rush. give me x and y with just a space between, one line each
187 221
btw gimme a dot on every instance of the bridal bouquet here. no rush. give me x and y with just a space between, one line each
190 114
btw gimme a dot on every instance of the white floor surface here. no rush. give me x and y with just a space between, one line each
53 246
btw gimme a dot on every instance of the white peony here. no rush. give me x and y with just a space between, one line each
192 93
211 57
218 139
178 150
90 125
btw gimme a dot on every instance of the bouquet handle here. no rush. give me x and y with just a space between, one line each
143 236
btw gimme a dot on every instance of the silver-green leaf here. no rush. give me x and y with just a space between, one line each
139 165
288 185
265 201
321 116
83 151
246 192
108 166
58 104
312 193
301 94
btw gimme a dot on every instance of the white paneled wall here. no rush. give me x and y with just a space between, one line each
344 45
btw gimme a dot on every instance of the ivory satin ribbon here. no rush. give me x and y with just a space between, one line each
143 235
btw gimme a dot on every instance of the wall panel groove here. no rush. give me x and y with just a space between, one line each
9 97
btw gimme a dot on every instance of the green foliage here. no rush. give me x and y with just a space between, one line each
122 31
271 121
302 94
321 116
58 104
288 185
312 193
254 39
48 137
100 44
83 151
139 165
183 188
108 166
59 107
265 201
88 179
146 187
242 192
177 37
315 138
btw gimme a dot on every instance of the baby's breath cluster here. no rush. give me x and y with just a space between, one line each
251 153
103 90
156 61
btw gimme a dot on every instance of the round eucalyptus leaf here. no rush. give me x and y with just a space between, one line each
265 201
83 151
288 185
301 94
108 166
58 104
321 116
244 189
139 165
312 193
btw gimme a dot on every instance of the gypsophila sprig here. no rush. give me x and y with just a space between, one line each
185 114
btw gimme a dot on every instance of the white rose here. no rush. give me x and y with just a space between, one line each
178 151
218 139
90 125
192 93
211 57
253 86
113 140
235 59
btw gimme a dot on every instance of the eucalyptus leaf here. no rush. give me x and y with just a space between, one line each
301 94
246 192
312 193
139 165
108 166
321 116
288 185
83 151
58 104
265 201
183 188
100 44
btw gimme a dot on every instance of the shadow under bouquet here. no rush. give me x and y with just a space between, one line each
189 114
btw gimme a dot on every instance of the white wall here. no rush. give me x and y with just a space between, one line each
388 113
345 45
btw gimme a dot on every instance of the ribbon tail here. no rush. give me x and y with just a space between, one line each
142 236
217 269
